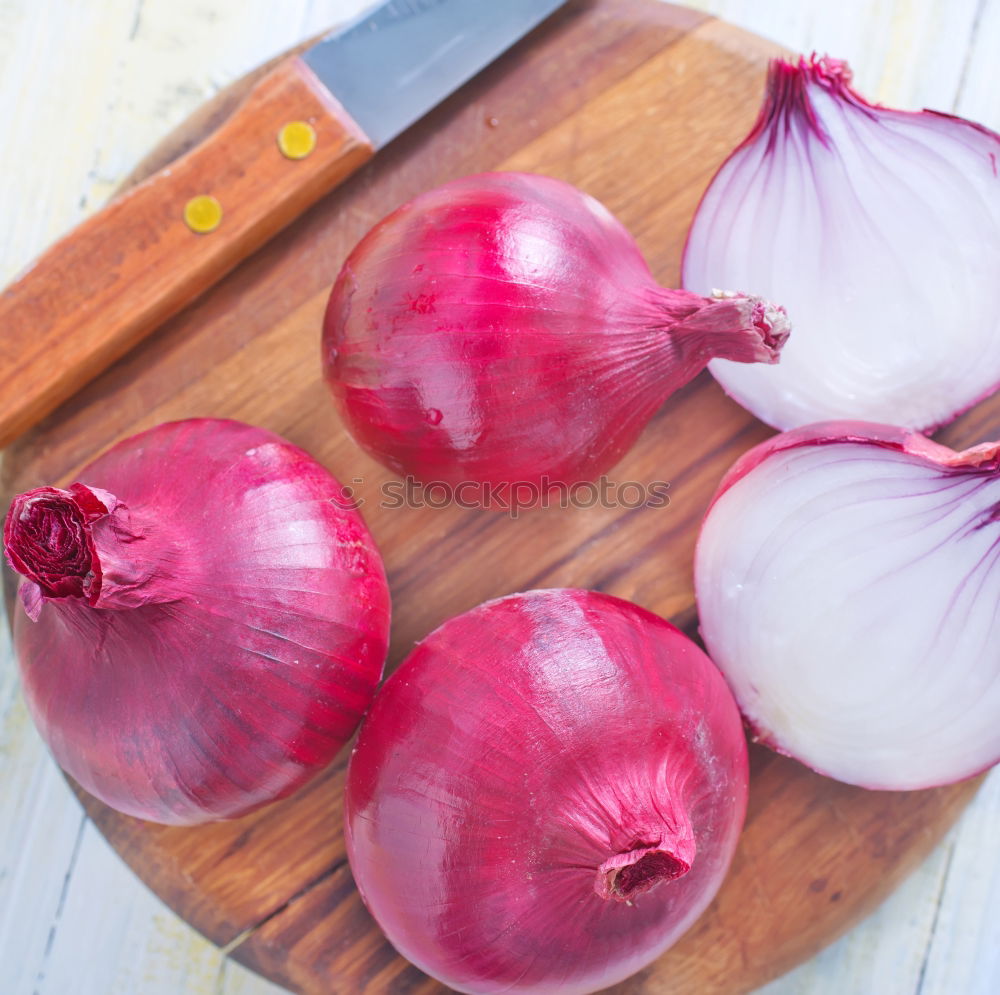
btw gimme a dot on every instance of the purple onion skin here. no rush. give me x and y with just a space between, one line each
546 794
983 459
505 327
210 621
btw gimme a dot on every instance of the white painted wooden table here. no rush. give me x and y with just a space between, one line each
88 86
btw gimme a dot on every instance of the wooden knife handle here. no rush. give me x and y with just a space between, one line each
93 295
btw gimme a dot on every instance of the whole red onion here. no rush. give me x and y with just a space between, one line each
505 327
208 621
546 794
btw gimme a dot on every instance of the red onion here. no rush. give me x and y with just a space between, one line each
505 327
208 623
546 794
879 229
848 579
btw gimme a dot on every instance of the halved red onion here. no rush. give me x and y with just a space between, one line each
848 586
879 230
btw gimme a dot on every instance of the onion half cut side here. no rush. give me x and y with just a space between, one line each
848 585
879 231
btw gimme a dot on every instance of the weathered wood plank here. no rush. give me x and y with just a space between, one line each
964 952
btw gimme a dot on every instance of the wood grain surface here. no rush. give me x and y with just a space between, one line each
642 101
137 263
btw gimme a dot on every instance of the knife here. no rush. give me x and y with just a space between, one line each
303 128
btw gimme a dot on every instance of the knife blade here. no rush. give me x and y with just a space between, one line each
392 65
305 126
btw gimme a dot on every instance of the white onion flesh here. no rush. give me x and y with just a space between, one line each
850 593
879 231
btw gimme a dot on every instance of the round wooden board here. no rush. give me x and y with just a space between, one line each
636 102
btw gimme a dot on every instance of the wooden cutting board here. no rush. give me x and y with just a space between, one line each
636 102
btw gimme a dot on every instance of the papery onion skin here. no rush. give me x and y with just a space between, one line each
847 576
210 620
504 327
546 794
879 230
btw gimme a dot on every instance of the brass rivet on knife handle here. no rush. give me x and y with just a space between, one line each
202 214
297 139
122 272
